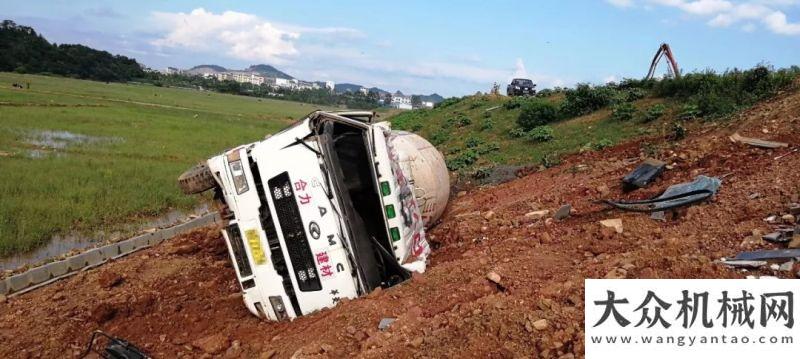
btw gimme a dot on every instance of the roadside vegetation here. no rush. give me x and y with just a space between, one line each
478 132
84 155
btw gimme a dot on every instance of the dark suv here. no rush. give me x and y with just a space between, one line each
521 87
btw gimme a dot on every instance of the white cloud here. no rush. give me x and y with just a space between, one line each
621 3
724 13
239 35
610 79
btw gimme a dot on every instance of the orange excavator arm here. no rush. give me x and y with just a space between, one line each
664 50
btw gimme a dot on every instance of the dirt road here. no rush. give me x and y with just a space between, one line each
181 298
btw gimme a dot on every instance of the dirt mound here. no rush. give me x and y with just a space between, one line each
181 299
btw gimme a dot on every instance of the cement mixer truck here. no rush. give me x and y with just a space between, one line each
330 208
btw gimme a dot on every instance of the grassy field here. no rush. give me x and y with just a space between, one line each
83 155
487 132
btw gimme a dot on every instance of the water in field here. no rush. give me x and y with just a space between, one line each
60 245
53 143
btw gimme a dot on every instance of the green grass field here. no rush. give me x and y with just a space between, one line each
84 155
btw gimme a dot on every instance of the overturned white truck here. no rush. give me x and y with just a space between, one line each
331 207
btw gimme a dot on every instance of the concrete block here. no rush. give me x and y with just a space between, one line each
19 282
77 262
94 257
38 275
4 287
110 251
126 247
155 238
140 241
168 233
58 269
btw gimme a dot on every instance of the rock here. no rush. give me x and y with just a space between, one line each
385 323
536 215
3 298
103 313
786 267
789 218
540 324
269 354
416 342
461 193
615 223
58 296
488 215
185 249
212 344
603 190
617 273
109 279
493 277
563 212
795 242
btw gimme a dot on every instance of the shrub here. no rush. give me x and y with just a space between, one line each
487 124
462 159
623 112
585 99
654 112
536 113
462 120
551 160
541 134
517 132
473 142
604 143
677 132
689 112
713 104
448 102
440 137
489 147
514 102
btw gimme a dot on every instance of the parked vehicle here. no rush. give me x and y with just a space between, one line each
332 207
521 87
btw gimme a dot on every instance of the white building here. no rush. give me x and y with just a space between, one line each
330 85
401 101
427 104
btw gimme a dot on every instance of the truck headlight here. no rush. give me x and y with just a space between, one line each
239 178
516 87
278 307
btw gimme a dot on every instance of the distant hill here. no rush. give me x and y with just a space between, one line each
23 50
268 71
435 98
206 69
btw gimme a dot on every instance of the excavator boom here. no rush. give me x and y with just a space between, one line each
664 50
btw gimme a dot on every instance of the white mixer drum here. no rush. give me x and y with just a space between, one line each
425 165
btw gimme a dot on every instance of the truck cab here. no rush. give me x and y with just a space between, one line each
324 210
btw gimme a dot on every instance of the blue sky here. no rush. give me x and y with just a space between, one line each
452 48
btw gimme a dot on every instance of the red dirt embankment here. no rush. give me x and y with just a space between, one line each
180 299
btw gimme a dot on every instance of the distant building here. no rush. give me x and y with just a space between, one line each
173 71
401 101
427 104
363 90
330 85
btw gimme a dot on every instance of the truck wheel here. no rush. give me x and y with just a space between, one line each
196 180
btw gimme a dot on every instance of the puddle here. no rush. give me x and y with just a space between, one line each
62 244
49 143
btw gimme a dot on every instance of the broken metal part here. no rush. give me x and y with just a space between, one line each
679 195
736 137
777 237
644 174
769 254
115 348
744 264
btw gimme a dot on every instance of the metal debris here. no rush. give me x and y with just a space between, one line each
679 195
769 254
757 142
644 174
744 264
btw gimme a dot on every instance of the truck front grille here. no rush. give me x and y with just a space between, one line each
239 255
294 235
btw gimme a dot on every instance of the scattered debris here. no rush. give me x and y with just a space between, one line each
563 212
537 214
114 347
776 237
794 208
615 223
488 215
754 195
386 323
737 138
212 344
644 174
679 195
768 254
744 264
786 154
789 218
492 108
795 242
771 219
786 266
493 277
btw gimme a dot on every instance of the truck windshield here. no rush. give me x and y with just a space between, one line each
347 158
524 82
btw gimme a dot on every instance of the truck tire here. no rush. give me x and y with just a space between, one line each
197 179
